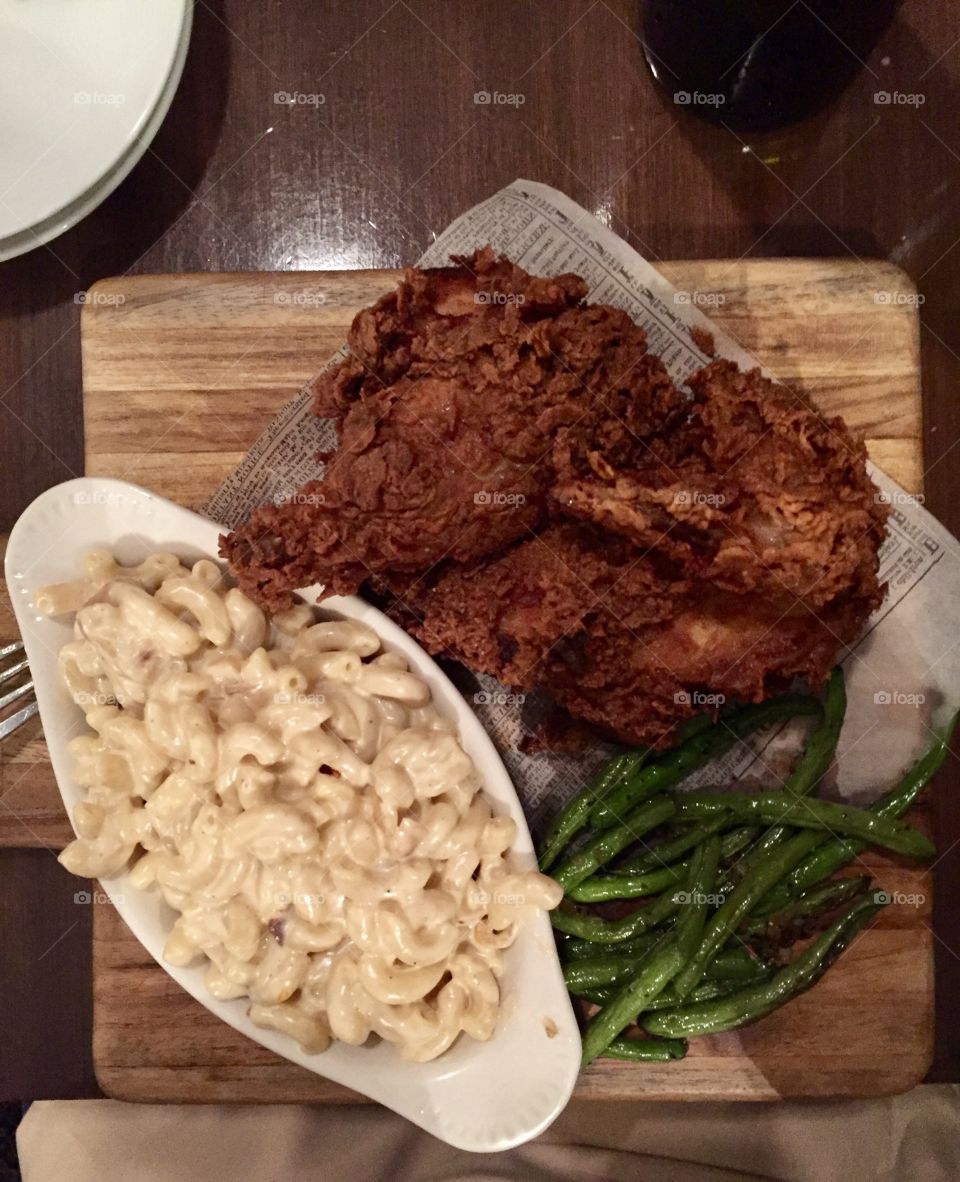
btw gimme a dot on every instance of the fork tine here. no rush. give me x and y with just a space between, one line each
8 649
9 725
20 692
12 671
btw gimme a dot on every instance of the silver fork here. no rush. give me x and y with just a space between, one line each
8 672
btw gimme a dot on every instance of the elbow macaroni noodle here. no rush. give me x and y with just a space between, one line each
296 797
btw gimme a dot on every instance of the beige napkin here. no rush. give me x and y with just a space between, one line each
911 1138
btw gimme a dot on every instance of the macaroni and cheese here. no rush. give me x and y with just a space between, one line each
298 799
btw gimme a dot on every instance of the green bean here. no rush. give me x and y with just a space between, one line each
811 902
646 1050
809 770
747 1005
573 817
612 931
668 1000
697 750
896 802
834 853
739 870
821 747
600 888
576 949
597 971
731 843
667 852
811 814
605 846
696 898
735 964
736 907
598 994
655 975
736 840
707 990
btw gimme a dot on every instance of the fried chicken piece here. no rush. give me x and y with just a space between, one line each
454 388
639 682
738 552
757 492
617 637
523 487
504 616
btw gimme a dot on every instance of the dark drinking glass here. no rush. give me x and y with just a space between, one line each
756 65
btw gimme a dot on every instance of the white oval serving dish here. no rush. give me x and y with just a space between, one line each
481 1096
84 86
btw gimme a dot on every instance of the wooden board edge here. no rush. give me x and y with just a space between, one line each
112 284
113 1080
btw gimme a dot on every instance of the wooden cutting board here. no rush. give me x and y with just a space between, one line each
182 372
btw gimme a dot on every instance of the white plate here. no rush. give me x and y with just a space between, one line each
84 86
481 1096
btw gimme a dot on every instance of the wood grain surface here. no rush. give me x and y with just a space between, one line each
236 182
181 373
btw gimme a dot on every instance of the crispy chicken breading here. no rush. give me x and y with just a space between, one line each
617 636
525 490
756 492
455 386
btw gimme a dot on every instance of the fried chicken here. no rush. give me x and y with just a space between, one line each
521 485
756 492
454 388
617 636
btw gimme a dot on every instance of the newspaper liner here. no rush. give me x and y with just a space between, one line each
903 675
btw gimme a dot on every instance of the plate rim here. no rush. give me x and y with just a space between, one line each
32 237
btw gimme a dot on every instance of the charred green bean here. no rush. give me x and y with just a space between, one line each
697 750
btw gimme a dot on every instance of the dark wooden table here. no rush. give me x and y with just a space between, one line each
364 177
